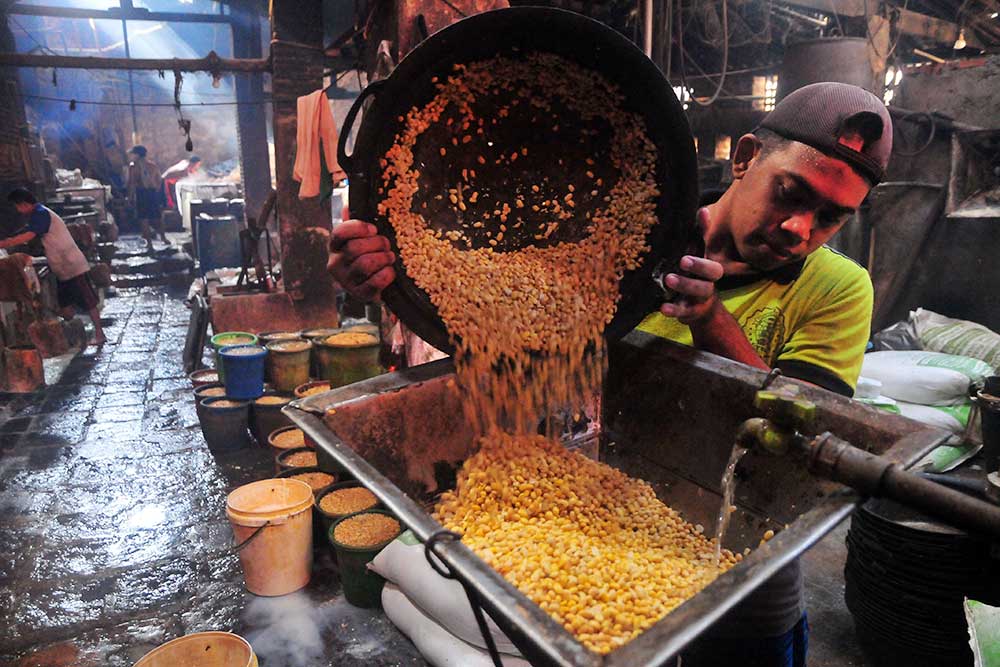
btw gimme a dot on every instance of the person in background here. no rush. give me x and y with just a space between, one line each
72 271
145 194
178 172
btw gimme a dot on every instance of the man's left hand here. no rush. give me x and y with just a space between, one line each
698 298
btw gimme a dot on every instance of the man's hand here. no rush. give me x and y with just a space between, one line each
360 259
698 300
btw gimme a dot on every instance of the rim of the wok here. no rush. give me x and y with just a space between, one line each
584 41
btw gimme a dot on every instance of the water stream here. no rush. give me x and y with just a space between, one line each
728 491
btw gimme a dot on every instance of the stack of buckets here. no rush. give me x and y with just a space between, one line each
272 519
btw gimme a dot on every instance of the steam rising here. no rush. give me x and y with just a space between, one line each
288 630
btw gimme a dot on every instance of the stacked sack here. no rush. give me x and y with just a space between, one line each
434 612
931 387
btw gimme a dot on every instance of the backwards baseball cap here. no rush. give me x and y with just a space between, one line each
829 117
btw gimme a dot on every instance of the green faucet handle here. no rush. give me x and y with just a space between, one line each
786 409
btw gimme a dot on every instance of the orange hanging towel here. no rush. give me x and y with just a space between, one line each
316 131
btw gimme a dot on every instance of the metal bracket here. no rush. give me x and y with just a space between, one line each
445 571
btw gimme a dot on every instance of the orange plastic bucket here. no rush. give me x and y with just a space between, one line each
272 520
203 649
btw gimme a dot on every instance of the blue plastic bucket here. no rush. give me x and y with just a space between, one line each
244 371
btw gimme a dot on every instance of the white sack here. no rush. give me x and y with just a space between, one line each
403 563
438 646
926 378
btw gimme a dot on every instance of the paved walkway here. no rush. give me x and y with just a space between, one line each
112 519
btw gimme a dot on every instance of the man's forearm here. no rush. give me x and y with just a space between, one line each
23 237
721 334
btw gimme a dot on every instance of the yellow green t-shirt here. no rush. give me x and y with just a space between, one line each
813 326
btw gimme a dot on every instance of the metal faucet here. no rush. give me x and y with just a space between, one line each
779 432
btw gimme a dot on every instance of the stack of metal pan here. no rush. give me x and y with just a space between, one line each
906 578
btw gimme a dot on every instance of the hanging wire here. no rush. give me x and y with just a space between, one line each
725 58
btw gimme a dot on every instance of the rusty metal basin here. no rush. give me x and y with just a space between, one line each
669 416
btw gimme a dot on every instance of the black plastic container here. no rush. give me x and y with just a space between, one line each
224 424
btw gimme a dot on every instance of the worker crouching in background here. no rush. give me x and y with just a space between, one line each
72 271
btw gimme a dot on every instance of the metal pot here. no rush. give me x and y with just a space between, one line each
514 32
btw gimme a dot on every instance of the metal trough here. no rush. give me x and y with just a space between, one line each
670 415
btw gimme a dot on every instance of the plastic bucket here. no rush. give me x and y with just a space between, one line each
328 518
244 370
285 474
265 337
288 363
314 335
280 443
362 587
319 527
266 416
347 363
225 339
204 376
201 392
282 460
277 515
202 649
224 424
308 388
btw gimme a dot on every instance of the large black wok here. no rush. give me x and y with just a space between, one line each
515 32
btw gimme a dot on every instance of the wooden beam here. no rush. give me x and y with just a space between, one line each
937 30
210 63
842 7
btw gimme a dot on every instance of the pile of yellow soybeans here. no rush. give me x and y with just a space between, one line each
527 323
590 545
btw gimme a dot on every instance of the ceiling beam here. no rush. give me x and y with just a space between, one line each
842 7
937 30
910 22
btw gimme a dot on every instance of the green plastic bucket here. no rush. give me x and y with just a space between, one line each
344 364
225 339
362 587
288 363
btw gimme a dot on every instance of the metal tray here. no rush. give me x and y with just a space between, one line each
669 416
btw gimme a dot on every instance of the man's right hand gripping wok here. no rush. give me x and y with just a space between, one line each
360 259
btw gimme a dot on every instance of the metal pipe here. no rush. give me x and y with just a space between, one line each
210 63
647 28
838 460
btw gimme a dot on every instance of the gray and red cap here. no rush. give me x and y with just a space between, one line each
820 114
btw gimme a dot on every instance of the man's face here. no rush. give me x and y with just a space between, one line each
24 208
790 201
193 169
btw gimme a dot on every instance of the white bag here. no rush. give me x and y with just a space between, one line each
926 378
438 646
403 563
952 418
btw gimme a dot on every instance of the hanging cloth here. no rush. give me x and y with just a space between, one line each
316 137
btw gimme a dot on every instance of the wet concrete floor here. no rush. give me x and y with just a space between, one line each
114 536
112 519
